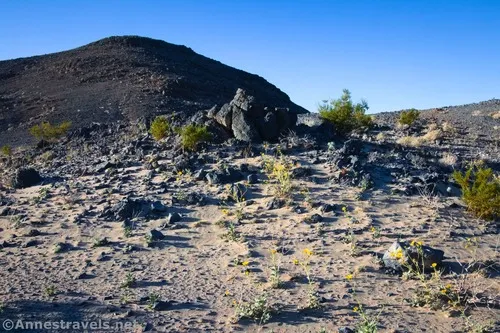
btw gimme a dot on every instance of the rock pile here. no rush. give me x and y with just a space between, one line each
250 121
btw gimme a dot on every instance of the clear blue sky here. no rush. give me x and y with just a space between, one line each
396 54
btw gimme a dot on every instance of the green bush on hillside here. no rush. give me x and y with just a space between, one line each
192 135
345 115
160 128
480 191
408 117
46 131
6 150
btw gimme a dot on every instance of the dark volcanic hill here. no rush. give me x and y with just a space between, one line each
119 78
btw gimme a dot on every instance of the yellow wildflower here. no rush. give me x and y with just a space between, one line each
227 293
245 263
296 261
372 229
274 251
308 252
356 309
416 243
434 265
349 277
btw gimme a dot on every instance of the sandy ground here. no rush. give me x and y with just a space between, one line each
202 272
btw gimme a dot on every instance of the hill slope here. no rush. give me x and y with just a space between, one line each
119 78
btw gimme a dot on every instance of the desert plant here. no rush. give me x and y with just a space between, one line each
6 150
408 117
231 234
312 292
129 281
192 135
344 114
153 298
280 170
100 242
274 276
50 291
367 324
259 310
160 128
48 132
480 191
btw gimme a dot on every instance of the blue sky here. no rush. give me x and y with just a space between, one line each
396 54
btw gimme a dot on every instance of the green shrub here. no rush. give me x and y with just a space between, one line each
408 117
160 128
48 132
480 191
344 115
192 135
6 150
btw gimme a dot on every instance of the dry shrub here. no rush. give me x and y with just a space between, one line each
448 128
495 115
380 137
449 159
409 141
417 141
432 136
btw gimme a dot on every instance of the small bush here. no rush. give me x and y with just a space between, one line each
259 310
6 150
46 131
480 191
160 128
192 135
280 170
408 117
344 115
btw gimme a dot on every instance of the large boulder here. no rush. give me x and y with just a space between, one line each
25 177
250 121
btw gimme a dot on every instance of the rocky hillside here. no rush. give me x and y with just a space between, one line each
119 78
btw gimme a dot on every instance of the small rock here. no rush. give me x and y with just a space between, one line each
33 233
213 178
316 218
162 305
275 203
155 235
200 174
326 208
400 253
345 330
252 179
173 217
158 207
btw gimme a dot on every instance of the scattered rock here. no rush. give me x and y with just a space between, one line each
173 217
275 203
155 235
252 179
316 218
162 305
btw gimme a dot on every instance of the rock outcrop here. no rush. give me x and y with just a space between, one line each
251 121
